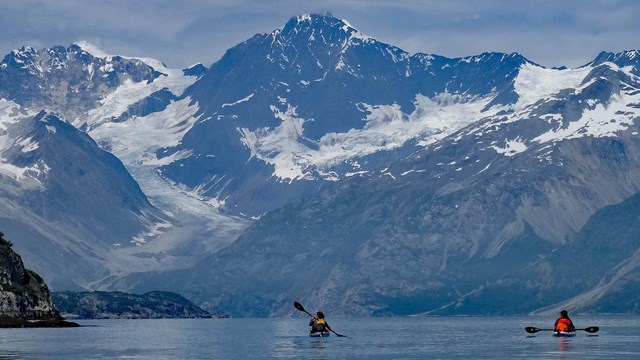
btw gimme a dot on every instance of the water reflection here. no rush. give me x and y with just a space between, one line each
318 344
563 344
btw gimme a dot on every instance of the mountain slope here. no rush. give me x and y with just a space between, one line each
65 197
386 248
603 262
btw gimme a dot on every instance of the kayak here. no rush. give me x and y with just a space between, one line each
319 334
564 333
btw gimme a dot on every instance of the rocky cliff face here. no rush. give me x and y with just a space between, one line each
23 293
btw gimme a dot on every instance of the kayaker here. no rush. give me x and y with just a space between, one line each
318 324
564 323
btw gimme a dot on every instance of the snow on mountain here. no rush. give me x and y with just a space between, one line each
535 83
130 92
605 119
537 87
125 124
386 128
10 115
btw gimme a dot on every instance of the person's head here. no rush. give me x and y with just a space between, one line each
564 313
320 315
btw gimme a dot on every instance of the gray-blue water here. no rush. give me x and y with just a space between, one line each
371 338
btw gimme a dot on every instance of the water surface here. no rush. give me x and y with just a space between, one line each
370 338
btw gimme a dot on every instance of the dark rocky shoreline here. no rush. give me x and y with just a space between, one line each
11 322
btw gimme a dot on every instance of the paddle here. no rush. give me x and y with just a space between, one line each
299 306
533 330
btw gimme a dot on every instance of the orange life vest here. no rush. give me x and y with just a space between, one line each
563 324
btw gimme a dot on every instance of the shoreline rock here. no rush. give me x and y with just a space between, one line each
12 322
25 301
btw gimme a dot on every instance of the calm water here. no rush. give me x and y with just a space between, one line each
378 338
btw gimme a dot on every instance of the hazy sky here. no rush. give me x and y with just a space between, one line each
183 32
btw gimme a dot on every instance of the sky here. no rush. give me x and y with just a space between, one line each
181 33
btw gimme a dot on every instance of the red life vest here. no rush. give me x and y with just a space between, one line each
563 324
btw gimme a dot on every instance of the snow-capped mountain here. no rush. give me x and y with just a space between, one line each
67 78
70 202
362 179
491 218
67 193
319 101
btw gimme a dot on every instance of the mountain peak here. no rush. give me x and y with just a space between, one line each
305 19
47 116
21 58
316 26
514 58
624 58
25 50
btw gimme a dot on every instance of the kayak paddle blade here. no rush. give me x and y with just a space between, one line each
591 329
531 329
299 306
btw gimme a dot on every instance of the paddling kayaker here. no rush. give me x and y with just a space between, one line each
564 323
318 324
